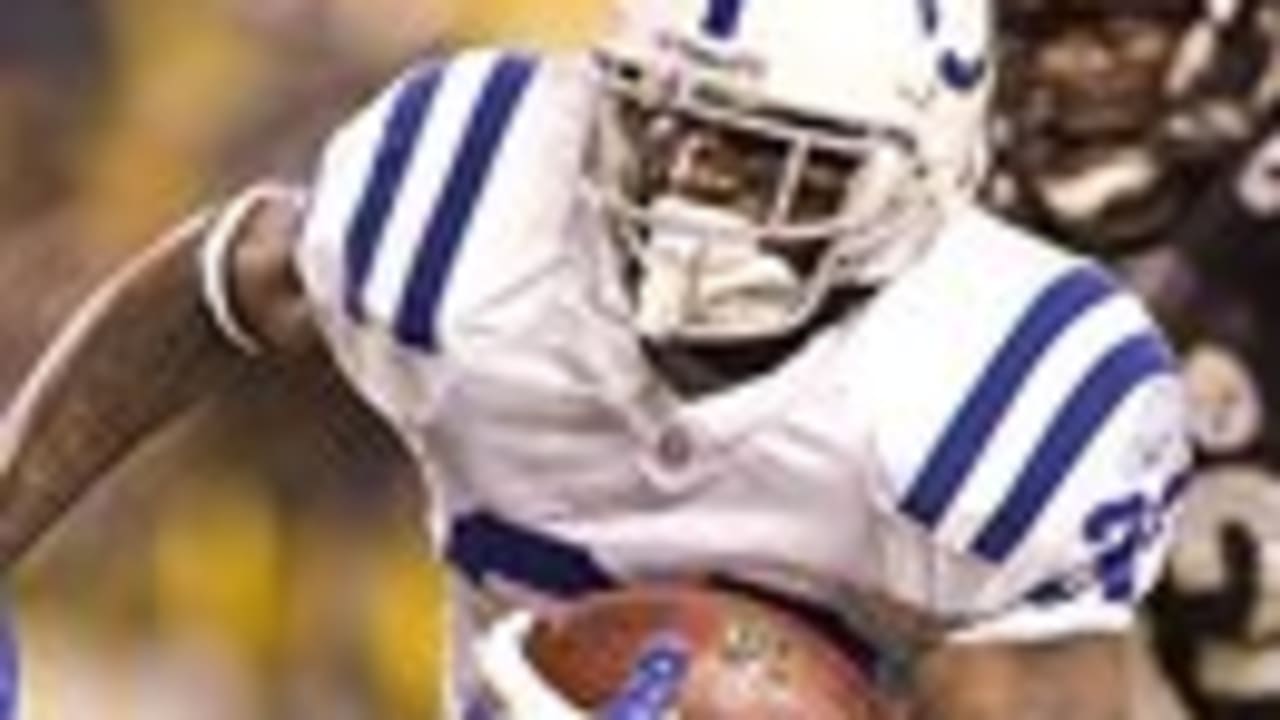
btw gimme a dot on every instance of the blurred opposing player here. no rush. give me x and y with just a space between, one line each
712 301
1146 131
1114 115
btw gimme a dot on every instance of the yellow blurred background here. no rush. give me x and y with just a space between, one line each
263 560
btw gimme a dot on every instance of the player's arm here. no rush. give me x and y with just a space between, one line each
143 348
1071 679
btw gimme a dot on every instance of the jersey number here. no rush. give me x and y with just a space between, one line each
1120 530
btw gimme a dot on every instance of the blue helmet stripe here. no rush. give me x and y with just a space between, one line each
722 18
971 428
391 161
415 320
960 73
1107 383
930 16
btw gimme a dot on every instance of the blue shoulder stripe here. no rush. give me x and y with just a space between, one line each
1107 383
415 320
399 138
973 425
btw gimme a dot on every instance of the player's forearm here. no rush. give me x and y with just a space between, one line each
136 354
1073 680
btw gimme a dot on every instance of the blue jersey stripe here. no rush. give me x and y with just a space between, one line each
485 546
415 321
1177 487
722 18
391 162
973 425
1107 383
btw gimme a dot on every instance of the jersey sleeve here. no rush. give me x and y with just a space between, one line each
437 197
1101 544
358 180
1078 534
337 186
403 191
1037 463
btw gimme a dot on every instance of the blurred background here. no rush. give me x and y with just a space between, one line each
262 560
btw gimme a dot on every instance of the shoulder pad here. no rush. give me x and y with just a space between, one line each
456 163
1007 372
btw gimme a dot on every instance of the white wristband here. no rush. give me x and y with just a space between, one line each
214 257
518 686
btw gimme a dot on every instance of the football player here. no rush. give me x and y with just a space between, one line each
1145 131
712 300
1112 114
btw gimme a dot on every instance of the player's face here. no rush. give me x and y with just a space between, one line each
731 167
727 209
1094 76
749 173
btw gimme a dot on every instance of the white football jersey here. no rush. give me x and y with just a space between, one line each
995 439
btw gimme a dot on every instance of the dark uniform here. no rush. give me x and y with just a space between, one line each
1180 189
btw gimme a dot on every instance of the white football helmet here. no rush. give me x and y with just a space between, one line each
753 155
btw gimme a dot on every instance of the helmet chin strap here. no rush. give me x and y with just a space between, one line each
700 266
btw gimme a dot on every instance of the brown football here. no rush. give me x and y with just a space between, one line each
710 654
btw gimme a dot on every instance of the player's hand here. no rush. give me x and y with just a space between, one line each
515 687
671 651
